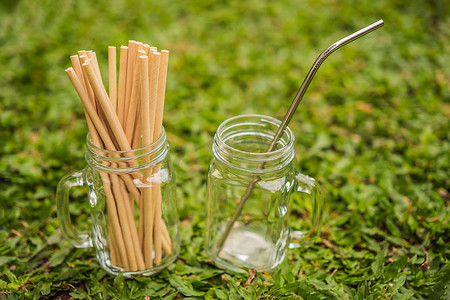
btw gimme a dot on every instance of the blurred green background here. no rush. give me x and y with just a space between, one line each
373 129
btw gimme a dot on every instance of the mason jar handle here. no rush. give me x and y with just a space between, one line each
74 179
309 186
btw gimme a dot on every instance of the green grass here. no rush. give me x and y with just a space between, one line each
373 129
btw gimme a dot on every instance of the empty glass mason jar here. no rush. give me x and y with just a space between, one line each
249 191
133 208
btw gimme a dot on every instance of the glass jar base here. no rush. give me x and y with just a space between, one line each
249 249
116 270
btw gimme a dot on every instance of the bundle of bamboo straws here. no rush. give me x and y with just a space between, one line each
129 118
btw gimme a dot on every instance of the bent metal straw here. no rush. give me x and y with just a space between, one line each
129 117
297 99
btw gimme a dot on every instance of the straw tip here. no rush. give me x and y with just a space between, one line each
377 24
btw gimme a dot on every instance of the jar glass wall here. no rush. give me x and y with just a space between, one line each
133 208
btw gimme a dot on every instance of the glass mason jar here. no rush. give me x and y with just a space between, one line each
133 208
249 191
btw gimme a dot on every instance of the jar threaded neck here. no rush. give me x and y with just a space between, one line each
242 142
125 161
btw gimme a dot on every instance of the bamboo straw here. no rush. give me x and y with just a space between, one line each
147 206
162 78
137 131
156 195
129 229
157 132
122 84
94 62
154 76
83 57
93 57
167 243
77 68
112 74
79 74
136 140
158 109
130 72
133 102
126 214
117 228
112 245
141 226
147 211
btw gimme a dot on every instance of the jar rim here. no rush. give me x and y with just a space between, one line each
287 131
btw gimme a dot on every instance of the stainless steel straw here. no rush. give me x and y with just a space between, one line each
287 118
